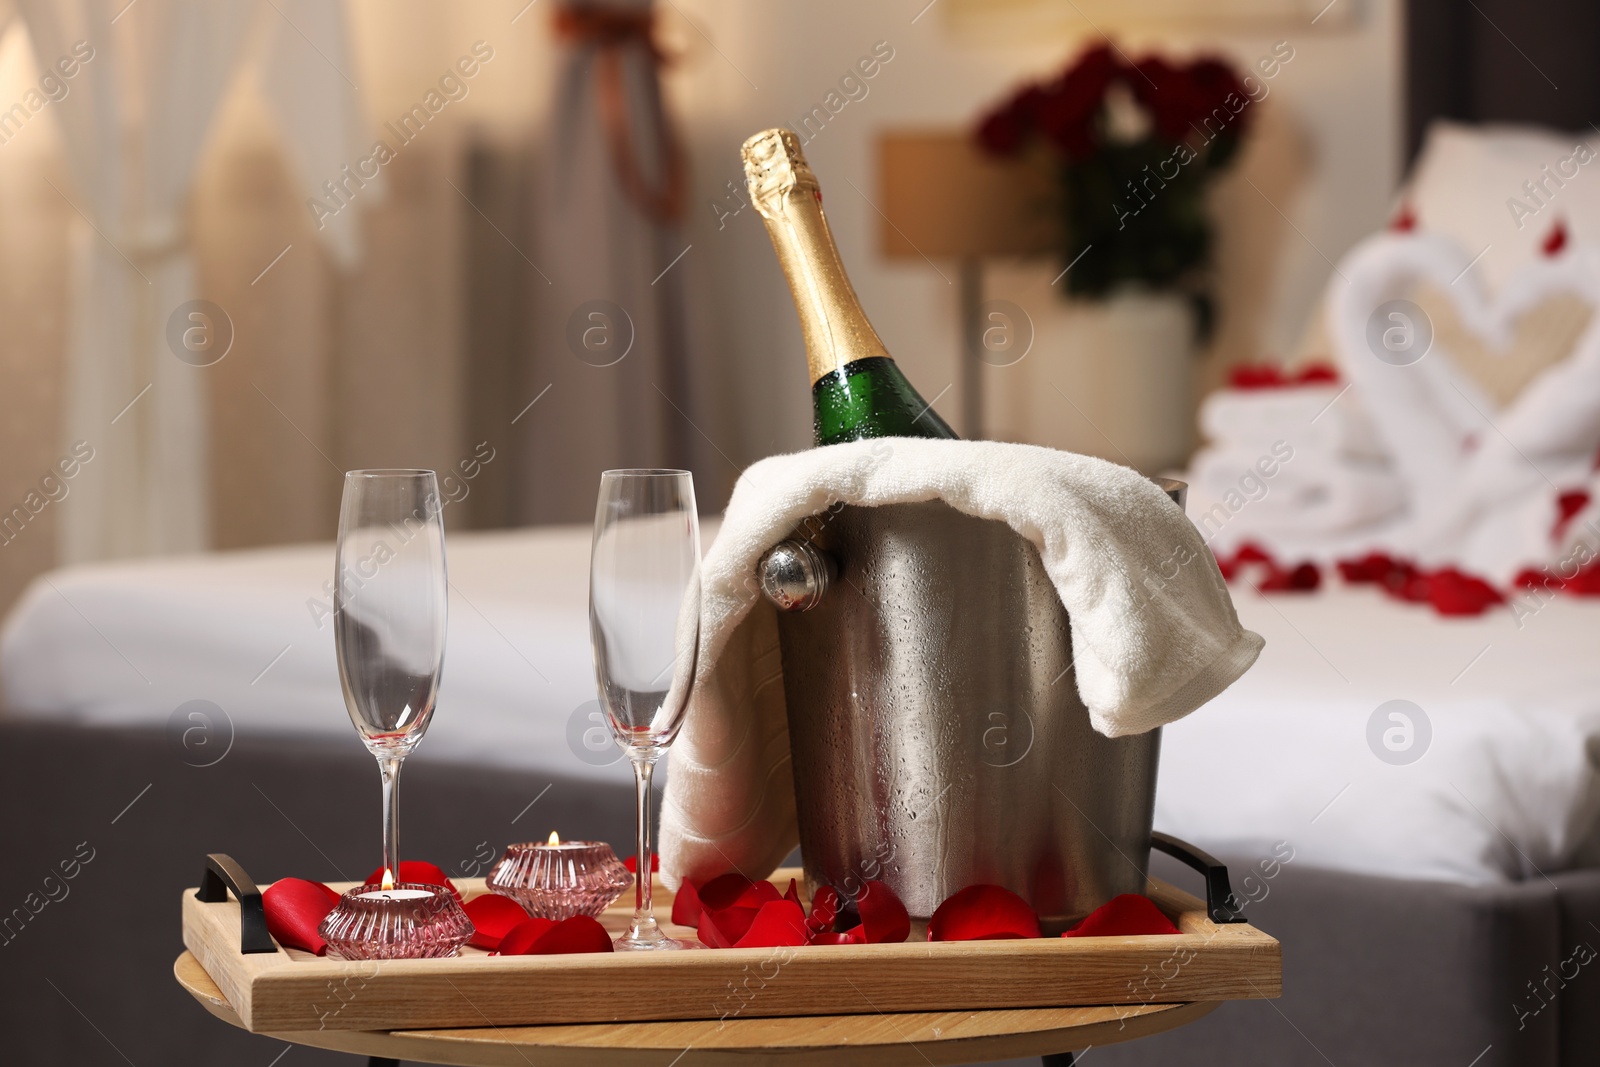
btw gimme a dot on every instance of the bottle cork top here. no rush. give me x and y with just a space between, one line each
774 167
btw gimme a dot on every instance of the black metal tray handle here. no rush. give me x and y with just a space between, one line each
223 874
1221 904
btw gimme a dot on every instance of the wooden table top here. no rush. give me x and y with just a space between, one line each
913 1039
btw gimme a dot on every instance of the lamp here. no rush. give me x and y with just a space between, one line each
942 197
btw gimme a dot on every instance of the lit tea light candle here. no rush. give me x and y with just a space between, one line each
396 920
388 891
556 879
399 894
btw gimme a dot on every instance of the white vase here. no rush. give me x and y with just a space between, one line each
1111 378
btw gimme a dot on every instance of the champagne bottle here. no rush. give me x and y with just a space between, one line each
857 390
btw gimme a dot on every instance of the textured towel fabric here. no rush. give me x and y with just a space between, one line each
1304 415
1287 494
1460 482
1482 481
1153 629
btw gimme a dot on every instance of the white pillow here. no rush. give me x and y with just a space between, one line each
1469 180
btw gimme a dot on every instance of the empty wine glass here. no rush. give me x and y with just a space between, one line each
644 622
389 620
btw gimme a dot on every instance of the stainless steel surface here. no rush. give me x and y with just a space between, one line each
937 735
795 575
1178 491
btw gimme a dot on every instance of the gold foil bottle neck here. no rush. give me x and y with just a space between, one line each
786 194
774 168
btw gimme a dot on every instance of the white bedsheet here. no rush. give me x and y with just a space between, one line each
1507 786
128 643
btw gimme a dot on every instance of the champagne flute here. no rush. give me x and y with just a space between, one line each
389 620
644 622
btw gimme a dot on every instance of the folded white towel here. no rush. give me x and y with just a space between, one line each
1286 495
1304 415
1481 481
1153 629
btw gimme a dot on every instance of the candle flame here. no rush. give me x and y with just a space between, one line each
555 838
388 879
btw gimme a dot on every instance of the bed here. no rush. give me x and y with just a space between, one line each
1371 871
1500 783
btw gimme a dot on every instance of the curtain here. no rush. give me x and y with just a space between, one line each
610 366
150 80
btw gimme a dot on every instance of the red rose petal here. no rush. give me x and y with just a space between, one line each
542 937
1274 577
295 909
724 890
1532 579
733 888
710 933
1453 592
1567 507
1449 590
1557 240
779 924
732 922
686 905
1373 567
632 863
1303 578
520 938
1250 552
420 872
852 936
761 893
1127 914
493 917
824 909
884 919
793 892
577 934
1255 376
1585 583
981 913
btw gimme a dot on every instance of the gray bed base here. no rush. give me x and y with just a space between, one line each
1377 971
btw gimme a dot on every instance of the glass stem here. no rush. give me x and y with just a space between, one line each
643 927
389 767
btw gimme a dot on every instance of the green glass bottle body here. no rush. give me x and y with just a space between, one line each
871 398
857 390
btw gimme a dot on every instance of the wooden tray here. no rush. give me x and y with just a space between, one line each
281 989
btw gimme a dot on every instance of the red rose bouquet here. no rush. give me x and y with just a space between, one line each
1135 145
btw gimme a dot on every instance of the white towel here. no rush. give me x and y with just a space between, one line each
1153 629
1482 481
1307 416
1288 496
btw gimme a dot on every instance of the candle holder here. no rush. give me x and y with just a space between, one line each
560 879
408 921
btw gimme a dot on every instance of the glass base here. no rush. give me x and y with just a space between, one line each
408 921
627 944
562 880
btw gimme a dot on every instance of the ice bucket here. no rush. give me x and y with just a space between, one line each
937 736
